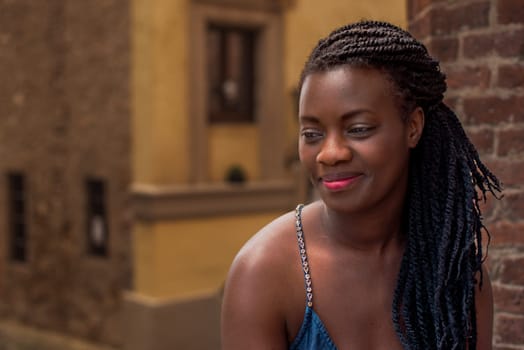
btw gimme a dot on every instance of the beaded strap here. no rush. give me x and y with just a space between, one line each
303 255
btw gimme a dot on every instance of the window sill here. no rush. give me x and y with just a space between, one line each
179 202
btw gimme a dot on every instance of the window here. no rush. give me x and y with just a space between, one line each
231 71
250 37
97 227
17 216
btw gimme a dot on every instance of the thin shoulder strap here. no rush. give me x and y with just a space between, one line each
303 255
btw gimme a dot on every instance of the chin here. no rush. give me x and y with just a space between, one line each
342 202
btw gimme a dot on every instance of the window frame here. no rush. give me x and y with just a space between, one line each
268 94
247 81
96 206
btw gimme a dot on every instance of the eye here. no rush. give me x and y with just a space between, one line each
360 131
311 135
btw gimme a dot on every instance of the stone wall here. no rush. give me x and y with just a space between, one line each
480 44
64 117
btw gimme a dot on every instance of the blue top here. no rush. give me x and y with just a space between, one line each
312 334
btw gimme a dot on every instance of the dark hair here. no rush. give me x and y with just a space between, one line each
434 300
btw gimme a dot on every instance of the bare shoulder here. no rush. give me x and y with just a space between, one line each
271 237
484 307
267 250
254 304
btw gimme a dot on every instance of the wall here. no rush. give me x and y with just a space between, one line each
64 116
160 100
178 256
481 48
233 145
184 258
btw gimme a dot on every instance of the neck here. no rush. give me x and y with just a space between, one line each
370 232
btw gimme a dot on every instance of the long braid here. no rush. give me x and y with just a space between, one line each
433 306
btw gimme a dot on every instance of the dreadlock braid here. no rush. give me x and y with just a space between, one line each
433 305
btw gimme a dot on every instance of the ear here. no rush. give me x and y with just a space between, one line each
415 125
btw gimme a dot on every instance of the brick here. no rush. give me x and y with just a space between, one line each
505 233
482 139
444 49
508 43
511 142
511 76
513 206
461 77
421 28
510 11
416 6
508 329
508 299
446 21
511 271
493 109
69 65
478 45
509 172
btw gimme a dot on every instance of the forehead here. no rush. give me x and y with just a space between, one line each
346 88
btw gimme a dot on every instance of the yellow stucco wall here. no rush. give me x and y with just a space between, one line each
177 259
160 100
233 144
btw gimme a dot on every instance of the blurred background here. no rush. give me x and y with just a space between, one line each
142 142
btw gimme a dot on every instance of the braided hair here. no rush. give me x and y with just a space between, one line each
434 300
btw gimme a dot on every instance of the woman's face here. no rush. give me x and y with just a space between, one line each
354 142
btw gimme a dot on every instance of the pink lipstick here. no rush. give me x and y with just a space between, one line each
337 184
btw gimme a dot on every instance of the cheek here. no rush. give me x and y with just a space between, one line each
301 152
385 153
307 156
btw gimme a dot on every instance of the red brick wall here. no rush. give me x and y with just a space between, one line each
480 44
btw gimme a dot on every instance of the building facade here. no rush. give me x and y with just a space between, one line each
64 165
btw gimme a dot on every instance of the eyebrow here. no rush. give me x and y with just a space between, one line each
344 117
308 118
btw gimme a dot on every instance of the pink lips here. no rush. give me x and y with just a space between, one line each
338 183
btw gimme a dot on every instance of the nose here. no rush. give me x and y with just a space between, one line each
334 150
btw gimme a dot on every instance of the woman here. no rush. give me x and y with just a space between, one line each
393 258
